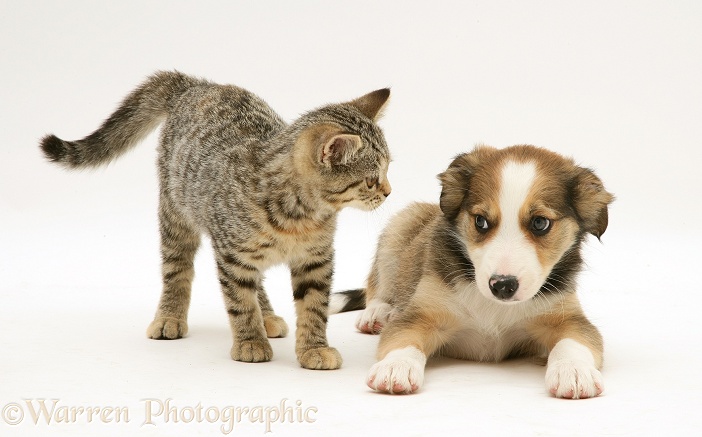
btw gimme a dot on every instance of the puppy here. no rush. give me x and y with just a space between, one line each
488 273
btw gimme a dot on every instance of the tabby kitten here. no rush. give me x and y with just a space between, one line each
265 192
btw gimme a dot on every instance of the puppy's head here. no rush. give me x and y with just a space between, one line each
523 212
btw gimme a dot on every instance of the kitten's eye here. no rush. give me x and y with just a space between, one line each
481 224
371 182
540 225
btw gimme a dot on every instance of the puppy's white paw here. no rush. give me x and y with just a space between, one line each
374 317
571 372
400 372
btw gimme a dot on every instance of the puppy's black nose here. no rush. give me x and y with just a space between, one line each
503 287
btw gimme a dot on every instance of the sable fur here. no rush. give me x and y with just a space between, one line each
424 292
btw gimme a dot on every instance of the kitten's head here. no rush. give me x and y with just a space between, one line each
343 152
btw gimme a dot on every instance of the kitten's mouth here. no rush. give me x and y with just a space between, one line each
375 203
365 204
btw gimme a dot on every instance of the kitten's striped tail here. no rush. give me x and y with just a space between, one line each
349 300
139 114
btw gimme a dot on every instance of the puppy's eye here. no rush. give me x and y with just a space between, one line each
540 225
371 182
481 224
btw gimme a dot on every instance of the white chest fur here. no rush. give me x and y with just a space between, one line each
489 330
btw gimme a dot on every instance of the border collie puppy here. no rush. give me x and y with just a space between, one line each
489 273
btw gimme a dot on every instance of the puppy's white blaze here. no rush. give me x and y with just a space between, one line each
571 371
401 371
510 252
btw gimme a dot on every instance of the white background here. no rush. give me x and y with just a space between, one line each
616 85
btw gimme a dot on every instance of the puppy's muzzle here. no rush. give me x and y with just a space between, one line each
503 287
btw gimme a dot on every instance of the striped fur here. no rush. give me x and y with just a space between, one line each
264 191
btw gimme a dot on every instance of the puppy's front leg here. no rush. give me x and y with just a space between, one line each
400 372
575 352
405 344
572 371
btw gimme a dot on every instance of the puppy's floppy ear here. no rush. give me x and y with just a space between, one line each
454 184
371 105
590 201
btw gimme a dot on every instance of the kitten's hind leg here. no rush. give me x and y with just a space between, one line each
241 285
179 242
275 325
311 282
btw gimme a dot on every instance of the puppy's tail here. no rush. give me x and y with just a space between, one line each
349 300
140 113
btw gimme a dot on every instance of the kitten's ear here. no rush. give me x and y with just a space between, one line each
340 149
590 201
371 105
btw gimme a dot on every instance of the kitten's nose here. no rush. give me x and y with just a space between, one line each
385 188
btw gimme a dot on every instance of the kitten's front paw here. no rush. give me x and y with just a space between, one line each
275 326
167 328
322 358
374 317
400 372
573 380
252 351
